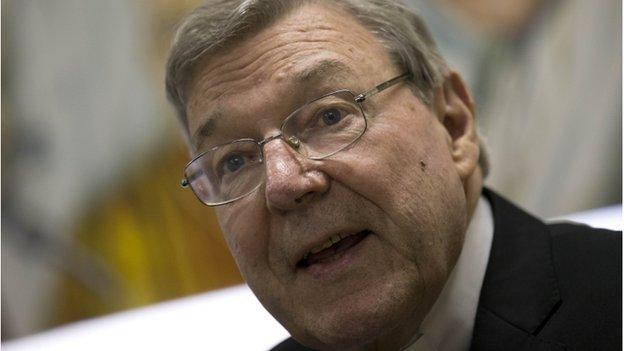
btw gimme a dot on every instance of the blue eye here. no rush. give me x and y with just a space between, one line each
234 163
331 116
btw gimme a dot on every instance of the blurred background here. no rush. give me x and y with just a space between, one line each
94 220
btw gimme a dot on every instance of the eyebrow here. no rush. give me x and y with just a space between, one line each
324 70
206 129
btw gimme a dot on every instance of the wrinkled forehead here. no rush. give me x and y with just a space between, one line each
312 47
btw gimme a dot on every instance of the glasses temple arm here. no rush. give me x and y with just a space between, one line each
383 86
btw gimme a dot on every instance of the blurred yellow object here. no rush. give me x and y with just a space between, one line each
155 240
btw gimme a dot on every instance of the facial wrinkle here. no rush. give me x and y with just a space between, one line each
319 30
334 212
239 71
329 71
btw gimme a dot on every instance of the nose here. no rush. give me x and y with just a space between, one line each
291 179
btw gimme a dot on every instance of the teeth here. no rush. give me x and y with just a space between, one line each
329 242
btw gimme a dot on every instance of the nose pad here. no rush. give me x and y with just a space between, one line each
294 142
289 178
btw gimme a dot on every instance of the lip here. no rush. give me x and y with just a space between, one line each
335 267
320 240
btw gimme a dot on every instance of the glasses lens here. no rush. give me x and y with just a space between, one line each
327 125
226 172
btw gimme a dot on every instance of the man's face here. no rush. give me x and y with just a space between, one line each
395 195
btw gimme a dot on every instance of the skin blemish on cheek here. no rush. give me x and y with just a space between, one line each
423 165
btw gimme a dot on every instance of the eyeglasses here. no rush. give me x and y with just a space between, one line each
316 130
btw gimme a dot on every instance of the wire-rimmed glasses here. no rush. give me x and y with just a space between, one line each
317 130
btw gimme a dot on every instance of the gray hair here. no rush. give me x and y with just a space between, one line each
219 24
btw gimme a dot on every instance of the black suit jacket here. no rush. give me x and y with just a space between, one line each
546 287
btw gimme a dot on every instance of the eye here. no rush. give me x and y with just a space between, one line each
234 162
331 116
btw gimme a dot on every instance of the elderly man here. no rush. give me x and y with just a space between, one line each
342 158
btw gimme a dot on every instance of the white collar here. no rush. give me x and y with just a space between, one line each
448 325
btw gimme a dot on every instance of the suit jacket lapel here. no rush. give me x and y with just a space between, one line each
519 292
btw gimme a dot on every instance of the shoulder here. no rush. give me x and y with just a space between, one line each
588 266
587 259
582 238
558 281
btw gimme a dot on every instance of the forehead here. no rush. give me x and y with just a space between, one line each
310 46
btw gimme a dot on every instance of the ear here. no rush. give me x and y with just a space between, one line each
455 109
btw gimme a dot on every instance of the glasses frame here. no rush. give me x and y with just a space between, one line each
294 141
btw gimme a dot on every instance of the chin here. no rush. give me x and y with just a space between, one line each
360 319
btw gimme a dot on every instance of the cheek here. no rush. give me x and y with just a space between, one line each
247 239
404 166
402 159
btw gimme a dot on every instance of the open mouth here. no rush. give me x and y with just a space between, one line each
333 248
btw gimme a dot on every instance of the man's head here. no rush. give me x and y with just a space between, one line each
395 203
